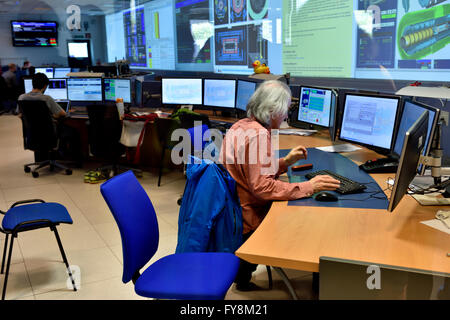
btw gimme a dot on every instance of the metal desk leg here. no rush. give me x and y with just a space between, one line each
286 282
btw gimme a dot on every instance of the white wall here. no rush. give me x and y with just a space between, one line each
41 56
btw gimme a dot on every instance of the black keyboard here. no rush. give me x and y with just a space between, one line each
347 186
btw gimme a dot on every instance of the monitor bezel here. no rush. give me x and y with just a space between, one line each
84 101
236 91
394 200
378 149
437 112
104 89
302 123
218 108
180 104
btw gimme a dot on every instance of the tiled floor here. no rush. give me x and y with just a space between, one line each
93 241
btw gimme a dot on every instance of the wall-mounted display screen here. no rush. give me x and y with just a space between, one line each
34 33
389 39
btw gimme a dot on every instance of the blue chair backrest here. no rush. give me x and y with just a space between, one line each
203 132
136 218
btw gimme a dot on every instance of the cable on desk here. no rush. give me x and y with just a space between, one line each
371 196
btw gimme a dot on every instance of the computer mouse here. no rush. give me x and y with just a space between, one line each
326 197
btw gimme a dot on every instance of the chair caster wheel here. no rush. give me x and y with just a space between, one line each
35 174
68 172
52 168
179 201
27 169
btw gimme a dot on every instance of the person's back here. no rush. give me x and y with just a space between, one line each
53 107
10 77
40 82
69 138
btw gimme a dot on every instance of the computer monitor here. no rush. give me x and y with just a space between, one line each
78 49
413 146
220 93
245 90
108 71
411 112
316 106
84 89
47 71
333 116
369 120
117 88
61 72
295 91
181 91
150 93
57 89
28 85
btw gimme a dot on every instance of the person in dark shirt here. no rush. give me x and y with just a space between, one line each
70 142
12 86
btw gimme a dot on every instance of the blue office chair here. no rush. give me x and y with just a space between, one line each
193 276
30 215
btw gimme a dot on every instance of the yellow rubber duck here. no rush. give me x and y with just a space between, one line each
259 67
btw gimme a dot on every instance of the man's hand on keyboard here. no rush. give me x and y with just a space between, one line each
324 183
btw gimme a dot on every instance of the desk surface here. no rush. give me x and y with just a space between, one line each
295 237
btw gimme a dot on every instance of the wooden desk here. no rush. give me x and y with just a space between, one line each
295 237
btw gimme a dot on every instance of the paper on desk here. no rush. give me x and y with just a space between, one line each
296 132
431 199
437 224
339 148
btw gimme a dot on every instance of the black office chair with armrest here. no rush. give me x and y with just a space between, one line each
104 131
187 120
40 136
164 129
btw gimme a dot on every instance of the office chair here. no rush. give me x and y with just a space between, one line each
199 275
39 135
164 129
104 131
31 215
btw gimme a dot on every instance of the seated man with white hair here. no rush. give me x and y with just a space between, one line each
247 154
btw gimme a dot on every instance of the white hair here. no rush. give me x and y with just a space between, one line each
271 100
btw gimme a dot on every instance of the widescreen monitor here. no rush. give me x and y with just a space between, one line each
61 72
245 90
78 49
369 120
84 89
28 85
219 93
57 89
316 106
411 112
413 145
182 91
34 33
47 71
117 88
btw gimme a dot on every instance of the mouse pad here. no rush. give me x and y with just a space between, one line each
371 198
